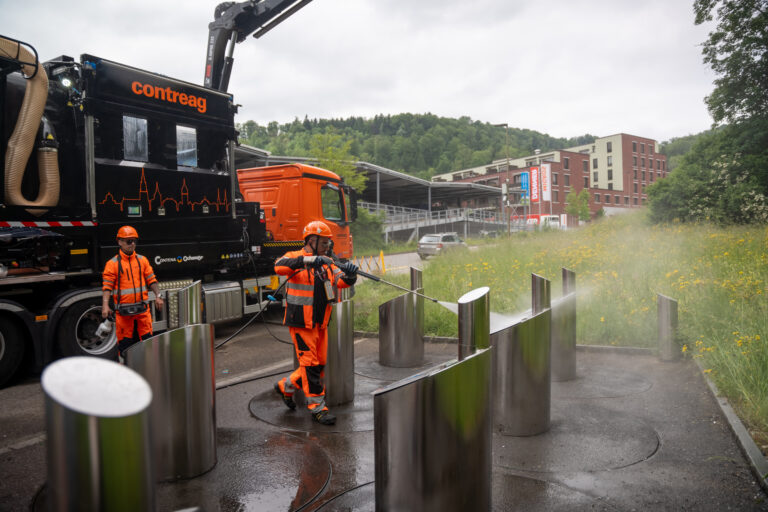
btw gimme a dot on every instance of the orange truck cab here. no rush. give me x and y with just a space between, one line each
292 195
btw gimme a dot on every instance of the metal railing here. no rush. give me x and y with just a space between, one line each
400 217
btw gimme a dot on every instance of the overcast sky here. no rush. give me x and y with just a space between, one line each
562 67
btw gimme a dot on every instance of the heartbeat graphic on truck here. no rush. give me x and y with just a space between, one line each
221 203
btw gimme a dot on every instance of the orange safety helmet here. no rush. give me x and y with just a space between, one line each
127 232
318 228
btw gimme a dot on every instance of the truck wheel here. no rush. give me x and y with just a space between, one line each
77 332
12 343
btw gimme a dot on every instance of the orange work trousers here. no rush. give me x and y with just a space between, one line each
311 350
132 329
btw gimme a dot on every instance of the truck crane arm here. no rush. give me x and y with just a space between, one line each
233 22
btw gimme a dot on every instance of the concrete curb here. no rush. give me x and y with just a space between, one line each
757 461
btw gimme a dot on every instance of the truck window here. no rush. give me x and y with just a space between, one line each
186 146
333 207
135 139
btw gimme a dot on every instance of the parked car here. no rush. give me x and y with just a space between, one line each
430 245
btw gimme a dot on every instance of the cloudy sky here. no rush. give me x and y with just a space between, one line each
562 67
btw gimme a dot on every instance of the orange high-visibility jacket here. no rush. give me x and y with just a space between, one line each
300 289
135 279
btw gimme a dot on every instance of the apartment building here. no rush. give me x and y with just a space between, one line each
615 169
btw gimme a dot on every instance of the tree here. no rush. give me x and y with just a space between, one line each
578 204
331 151
737 50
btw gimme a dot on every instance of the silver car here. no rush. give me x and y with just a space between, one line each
430 245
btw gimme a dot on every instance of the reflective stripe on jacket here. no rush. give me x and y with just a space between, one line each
135 279
300 290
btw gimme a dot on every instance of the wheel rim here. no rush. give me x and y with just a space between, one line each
85 331
2 346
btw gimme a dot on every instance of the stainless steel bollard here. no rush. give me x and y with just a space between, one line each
340 368
178 365
474 321
667 313
189 304
521 376
432 439
401 329
540 295
97 421
564 331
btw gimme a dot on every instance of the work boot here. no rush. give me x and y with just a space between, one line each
324 417
287 400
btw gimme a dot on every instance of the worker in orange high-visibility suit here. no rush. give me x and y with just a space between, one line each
126 278
310 290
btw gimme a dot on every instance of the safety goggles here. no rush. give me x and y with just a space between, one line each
129 241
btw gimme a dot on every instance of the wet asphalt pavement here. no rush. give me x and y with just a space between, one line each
630 433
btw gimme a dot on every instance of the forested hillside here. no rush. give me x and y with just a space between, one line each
419 144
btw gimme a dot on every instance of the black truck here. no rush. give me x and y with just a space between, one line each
89 145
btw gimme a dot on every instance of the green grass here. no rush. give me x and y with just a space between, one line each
718 275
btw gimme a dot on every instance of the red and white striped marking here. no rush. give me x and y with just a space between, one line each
43 224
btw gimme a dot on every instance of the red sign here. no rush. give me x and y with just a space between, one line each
535 184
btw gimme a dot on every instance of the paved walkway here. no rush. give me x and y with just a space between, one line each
630 433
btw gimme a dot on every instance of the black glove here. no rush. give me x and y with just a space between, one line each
322 260
349 268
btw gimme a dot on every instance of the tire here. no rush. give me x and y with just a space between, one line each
77 332
423 256
12 345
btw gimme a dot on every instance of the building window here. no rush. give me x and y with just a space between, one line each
610 160
554 178
626 200
635 173
650 149
594 163
634 161
597 198
642 147
617 199
610 186
658 165
610 173
609 147
643 173
567 178
607 198
635 201
643 188
566 163
635 186
586 182
642 162
594 177
554 196
634 147
663 165
650 176
585 166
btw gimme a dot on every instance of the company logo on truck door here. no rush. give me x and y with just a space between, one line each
178 259
169 95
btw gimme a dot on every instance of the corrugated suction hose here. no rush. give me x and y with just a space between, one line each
22 139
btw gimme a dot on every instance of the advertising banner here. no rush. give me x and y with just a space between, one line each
524 181
546 184
534 184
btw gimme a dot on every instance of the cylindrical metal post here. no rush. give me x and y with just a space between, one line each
189 304
564 331
540 295
340 367
97 420
667 313
521 376
401 331
474 321
178 365
432 439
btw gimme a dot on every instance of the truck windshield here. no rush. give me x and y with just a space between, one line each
333 202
